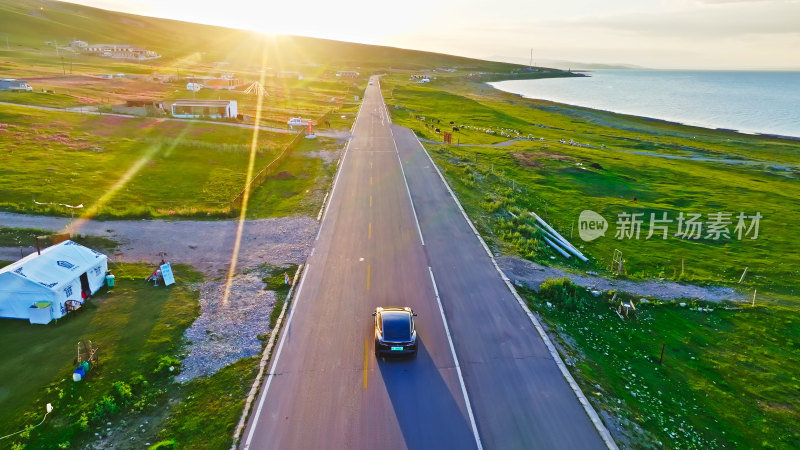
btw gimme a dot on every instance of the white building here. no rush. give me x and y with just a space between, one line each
10 84
212 109
46 286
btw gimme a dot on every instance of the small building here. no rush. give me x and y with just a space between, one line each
121 51
140 107
222 83
10 84
213 109
47 285
289 74
164 77
348 74
78 44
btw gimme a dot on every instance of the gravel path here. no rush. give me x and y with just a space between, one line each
532 274
206 245
224 334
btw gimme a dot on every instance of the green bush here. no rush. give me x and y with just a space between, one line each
122 392
167 361
169 444
563 293
83 422
105 407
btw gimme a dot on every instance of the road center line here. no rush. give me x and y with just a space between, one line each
369 232
370 201
458 367
368 274
366 361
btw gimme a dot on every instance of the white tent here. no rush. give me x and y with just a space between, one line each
60 273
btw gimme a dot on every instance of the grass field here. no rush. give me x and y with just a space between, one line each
136 326
298 186
730 376
124 167
129 400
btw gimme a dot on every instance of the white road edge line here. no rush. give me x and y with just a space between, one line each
598 424
264 357
271 374
325 207
322 208
458 366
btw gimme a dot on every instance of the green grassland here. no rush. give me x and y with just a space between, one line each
130 167
298 186
129 398
136 326
730 375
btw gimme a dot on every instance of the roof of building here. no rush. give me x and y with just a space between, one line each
58 263
190 102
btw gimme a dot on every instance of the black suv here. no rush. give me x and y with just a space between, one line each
394 331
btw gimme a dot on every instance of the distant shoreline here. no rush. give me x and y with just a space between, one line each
769 135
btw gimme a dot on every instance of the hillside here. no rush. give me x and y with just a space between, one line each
29 24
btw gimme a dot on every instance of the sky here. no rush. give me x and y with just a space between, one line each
663 34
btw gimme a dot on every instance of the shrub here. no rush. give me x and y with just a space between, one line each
169 444
165 362
563 293
122 392
104 408
83 422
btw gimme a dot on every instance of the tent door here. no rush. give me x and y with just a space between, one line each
85 284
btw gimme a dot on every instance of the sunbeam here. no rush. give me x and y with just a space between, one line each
246 195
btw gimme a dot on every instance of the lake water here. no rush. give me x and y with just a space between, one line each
751 102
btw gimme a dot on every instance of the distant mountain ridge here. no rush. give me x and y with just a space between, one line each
30 23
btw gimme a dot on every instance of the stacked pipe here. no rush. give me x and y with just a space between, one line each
556 240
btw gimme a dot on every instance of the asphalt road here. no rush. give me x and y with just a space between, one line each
326 389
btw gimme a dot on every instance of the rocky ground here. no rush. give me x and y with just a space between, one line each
228 331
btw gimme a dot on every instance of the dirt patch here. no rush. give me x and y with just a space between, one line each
283 175
533 159
111 121
531 274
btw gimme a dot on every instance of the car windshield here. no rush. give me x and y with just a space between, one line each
396 326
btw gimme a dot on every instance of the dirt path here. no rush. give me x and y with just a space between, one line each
335 134
207 245
532 274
